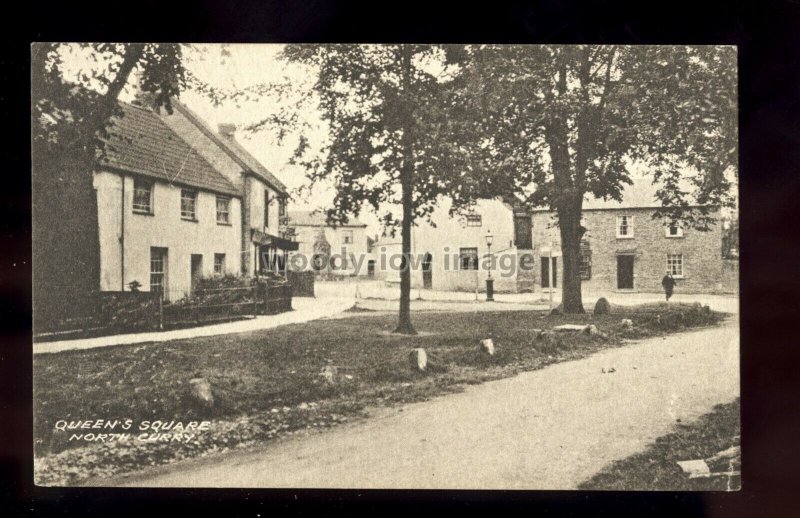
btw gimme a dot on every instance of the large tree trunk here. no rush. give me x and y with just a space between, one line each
569 224
406 179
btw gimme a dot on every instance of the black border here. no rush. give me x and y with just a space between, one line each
767 36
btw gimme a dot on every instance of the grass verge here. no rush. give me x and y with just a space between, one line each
656 468
267 384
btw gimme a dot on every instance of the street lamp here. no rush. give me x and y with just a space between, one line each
489 280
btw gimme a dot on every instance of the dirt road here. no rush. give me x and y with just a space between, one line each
546 429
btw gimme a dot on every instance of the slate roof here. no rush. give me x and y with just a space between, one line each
639 195
233 148
308 218
140 142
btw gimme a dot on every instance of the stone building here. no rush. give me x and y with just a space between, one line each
626 249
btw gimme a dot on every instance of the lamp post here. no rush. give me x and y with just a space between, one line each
489 280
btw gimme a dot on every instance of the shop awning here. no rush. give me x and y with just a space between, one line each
263 238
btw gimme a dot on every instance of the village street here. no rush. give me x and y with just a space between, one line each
546 429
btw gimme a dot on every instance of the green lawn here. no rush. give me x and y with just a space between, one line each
656 468
259 379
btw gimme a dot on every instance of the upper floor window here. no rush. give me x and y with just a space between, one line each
223 210
347 237
189 204
266 208
282 210
474 220
468 258
625 226
142 196
673 228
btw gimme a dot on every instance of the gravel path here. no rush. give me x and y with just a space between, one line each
546 429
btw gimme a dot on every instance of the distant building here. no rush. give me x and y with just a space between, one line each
626 249
347 243
452 254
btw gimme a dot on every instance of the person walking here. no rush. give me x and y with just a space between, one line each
668 282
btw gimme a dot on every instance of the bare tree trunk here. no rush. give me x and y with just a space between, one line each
406 179
571 233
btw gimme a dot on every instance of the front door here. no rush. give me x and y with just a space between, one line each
197 269
427 274
549 263
625 272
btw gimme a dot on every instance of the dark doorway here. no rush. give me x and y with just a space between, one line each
547 263
625 272
197 269
427 274
371 268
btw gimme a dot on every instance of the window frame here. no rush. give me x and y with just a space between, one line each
462 254
668 224
671 263
162 274
266 208
194 197
628 226
227 212
137 182
473 219
219 260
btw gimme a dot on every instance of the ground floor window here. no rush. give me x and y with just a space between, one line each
675 264
219 264
468 258
158 270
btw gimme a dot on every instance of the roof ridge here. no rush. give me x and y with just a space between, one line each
226 146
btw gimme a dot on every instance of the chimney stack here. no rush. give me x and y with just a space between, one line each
227 130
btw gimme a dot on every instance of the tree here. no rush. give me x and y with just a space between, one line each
387 111
559 122
70 115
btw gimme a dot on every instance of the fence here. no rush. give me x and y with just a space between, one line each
133 311
210 305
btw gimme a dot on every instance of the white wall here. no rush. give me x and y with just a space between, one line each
164 228
444 240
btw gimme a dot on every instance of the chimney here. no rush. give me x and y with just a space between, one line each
227 130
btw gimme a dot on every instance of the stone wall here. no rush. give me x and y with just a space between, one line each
703 266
